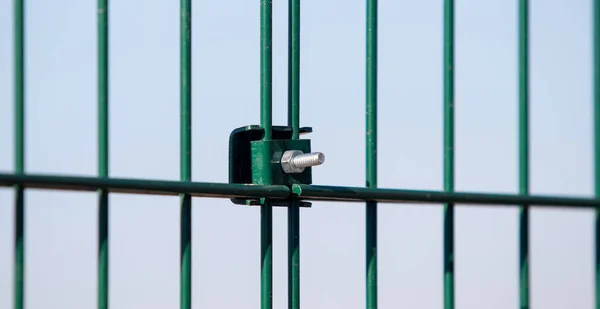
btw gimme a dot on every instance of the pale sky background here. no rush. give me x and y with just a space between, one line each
144 136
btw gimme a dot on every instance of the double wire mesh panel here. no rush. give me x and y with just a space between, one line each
371 195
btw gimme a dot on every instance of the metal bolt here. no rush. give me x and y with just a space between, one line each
295 161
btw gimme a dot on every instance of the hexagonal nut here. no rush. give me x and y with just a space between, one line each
286 162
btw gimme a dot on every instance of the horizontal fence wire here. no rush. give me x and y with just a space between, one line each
383 195
148 187
281 192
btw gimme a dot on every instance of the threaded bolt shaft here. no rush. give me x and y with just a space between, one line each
308 159
294 161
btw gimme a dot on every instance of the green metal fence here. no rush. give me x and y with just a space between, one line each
269 192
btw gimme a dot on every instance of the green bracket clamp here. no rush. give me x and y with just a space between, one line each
246 164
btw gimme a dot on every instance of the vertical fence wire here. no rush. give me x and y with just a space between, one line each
448 152
19 275
524 152
266 75
294 67
266 209
186 152
19 84
103 153
294 122
371 153
19 124
266 243
294 255
596 74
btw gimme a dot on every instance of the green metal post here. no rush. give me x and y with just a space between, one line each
524 151
186 153
371 145
294 122
596 64
448 152
102 153
19 71
266 211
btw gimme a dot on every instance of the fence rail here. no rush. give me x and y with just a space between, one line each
370 194
281 192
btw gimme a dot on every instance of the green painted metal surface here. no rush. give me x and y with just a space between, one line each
294 122
524 151
139 186
243 168
19 148
280 192
240 144
19 274
448 108
19 84
274 150
596 84
255 176
294 67
398 196
294 255
371 154
103 144
266 122
186 153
